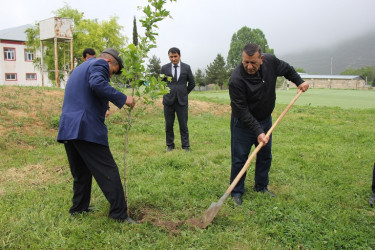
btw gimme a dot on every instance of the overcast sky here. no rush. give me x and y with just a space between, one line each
204 28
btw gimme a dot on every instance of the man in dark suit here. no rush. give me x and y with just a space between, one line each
176 101
88 53
372 198
85 136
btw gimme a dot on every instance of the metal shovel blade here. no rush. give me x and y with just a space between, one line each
212 211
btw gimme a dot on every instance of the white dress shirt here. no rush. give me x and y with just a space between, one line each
178 70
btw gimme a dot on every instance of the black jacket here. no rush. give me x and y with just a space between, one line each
254 101
178 90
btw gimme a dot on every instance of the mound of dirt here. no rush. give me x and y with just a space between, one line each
158 219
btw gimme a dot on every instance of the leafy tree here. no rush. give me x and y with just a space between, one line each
365 72
154 66
244 36
145 87
200 78
86 33
216 72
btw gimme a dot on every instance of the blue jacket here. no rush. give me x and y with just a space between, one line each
86 101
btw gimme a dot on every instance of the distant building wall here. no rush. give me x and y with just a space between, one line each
333 83
17 63
24 70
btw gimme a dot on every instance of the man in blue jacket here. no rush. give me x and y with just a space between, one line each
85 136
252 94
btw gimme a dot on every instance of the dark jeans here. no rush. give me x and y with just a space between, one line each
242 139
87 159
170 112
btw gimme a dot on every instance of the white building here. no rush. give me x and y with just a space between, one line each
16 61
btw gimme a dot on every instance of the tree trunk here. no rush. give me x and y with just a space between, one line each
126 148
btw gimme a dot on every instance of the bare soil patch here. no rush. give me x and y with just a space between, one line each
197 107
158 219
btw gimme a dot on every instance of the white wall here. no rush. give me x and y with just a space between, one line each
20 67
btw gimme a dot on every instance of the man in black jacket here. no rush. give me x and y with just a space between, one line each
252 94
176 101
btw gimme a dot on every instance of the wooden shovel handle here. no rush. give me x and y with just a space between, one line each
260 145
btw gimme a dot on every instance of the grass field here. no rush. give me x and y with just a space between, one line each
321 173
347 99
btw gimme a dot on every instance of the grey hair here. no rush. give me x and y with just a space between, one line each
108 56
251 48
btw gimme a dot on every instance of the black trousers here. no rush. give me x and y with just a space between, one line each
87 159
170 112
373 180
242 139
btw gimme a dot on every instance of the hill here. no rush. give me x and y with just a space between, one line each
352 53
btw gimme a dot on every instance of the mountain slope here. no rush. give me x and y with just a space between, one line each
354 53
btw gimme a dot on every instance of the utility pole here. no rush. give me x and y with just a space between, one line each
331 64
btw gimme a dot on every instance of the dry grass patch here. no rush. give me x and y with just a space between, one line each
195 107
30 176
29 115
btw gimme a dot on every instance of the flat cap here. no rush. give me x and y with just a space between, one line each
116 55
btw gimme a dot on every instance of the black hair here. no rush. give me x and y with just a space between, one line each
251 48
89 51
174 50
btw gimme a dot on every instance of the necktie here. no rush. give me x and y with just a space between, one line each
175 73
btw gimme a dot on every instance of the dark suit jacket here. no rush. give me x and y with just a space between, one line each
178 90
86 101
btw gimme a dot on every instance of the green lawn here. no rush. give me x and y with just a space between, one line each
313 97
321 174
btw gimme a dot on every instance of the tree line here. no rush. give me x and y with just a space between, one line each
105 34
218 72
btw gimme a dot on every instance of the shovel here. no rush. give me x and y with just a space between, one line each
215 206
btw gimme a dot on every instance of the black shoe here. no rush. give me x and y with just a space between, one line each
186 149
237 200
371 201
266 191
88 210
128 220
170 148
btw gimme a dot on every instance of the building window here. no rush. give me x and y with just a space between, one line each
9 54
29 55
10 77
30 76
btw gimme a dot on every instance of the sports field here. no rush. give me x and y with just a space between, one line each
361 99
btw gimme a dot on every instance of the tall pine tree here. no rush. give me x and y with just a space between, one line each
135 33
216 72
